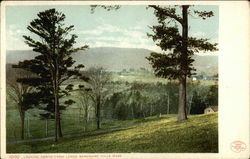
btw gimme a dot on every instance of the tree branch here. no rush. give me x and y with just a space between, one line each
167 13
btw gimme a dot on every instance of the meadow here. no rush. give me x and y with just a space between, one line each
198 134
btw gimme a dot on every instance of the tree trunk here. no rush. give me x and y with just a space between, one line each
59 118
56 99
141 113
190 104
86 117
59 126
168 104
22 115
56 119
28 127
98 111
132 111
182 112
55 79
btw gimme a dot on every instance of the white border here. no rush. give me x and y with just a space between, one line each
233 75
2 78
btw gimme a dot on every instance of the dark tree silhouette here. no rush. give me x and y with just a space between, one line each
172 35
53 65
106 7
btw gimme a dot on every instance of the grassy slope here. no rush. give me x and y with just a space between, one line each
198 134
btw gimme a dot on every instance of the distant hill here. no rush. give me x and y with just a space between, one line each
117 59
13 56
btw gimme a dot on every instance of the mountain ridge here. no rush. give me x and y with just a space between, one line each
117 59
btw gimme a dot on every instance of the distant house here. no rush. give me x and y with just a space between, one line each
211 109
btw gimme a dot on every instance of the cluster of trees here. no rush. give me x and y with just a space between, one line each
52 69
132 70
146 99
141 100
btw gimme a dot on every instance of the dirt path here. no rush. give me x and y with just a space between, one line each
92 133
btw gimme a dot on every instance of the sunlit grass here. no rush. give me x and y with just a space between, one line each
71 125
197 134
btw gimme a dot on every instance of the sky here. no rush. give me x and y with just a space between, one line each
126 27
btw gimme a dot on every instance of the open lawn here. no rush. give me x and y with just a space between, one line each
198 134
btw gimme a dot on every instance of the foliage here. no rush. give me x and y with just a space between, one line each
178 62
53 65
147 99
106 7
198 105
202 96
213 95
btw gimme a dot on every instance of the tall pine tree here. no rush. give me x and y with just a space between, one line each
172 35
53 65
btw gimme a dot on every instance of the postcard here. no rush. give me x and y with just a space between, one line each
124 79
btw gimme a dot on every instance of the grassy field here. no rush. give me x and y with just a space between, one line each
198 134
71 124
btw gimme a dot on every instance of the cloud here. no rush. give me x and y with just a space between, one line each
198 34
91 32
14 40
100 29
107 35
103 35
